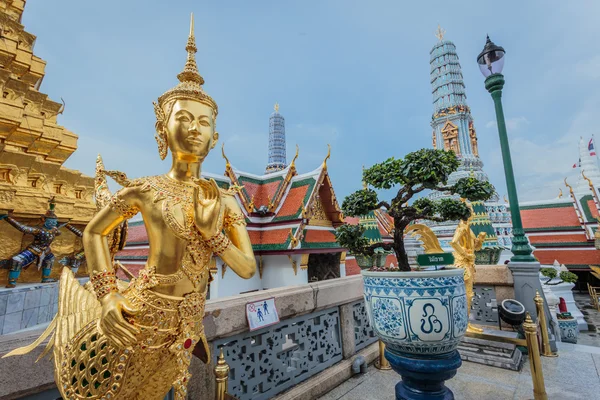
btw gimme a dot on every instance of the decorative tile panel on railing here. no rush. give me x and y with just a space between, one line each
484 307
271 360
363 333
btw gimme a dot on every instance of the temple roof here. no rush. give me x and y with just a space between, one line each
285 212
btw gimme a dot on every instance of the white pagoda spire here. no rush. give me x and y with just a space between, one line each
589 166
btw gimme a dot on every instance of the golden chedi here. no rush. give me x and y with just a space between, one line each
33 149
135 341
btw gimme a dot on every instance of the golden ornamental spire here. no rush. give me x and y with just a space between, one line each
227 163
560 193
293 164
190 81
328 155
440 33
276 108
190 71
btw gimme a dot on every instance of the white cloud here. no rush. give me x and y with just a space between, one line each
589 68
512 124
540 164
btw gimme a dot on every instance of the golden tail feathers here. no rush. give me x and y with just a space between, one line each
431 244
77 307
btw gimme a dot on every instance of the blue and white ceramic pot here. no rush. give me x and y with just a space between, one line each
569 330
421 313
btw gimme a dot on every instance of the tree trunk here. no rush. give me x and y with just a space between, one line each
401 255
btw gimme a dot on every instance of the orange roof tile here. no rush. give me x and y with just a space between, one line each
549 217
319 236
254 236
133 268
351 220
575 256
272 236
567 238
137 233
293 201
130 252
275 236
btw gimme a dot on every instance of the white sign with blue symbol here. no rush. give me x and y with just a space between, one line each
261 313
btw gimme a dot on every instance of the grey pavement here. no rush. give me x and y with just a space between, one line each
574 374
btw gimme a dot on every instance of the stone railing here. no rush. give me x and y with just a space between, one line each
323 325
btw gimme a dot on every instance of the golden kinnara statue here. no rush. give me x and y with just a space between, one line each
464 243
113 340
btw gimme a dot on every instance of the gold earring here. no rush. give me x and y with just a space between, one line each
161 140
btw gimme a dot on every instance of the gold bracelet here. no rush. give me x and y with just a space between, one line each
218 243
121 207
104 282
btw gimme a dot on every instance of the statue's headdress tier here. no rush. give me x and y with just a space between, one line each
190 80
51 206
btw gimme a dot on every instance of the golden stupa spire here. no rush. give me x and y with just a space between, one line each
440 33
276 108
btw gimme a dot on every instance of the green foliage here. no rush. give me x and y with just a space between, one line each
568 277
428 167
425 206
473 189
549 272
359 203
452 210
384 175
565 276
351 237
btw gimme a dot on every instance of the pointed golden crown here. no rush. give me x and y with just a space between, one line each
190 81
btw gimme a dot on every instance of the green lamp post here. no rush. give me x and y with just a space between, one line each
491 62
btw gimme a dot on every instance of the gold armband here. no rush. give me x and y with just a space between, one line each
234 219
121 207
218 243
103 282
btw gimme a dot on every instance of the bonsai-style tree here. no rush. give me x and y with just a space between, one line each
426 169
565 276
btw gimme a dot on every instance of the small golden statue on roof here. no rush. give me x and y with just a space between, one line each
114 340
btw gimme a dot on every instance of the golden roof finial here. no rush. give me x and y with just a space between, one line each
328 156
440 33
276 108
293 164
589 181
227 163
560 193
570 188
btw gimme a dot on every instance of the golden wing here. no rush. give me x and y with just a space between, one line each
118 237
77 307
431 244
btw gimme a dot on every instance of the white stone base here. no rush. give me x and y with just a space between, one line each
28 305
564 290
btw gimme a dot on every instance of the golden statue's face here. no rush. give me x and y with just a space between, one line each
191 129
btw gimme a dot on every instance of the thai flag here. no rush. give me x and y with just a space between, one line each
591 147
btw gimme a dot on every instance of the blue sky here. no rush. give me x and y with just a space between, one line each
354 74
